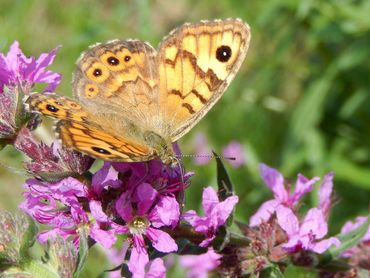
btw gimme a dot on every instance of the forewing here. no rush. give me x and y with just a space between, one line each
196 64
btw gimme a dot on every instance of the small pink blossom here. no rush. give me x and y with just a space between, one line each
282 195
18 70
235 150
199 266
145 220
216 214
306 235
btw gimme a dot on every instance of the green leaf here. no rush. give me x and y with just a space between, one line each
82 252
186 247
222 238
293 271
225 187
348 240
272 272
17 235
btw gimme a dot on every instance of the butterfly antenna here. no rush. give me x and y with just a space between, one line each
206 156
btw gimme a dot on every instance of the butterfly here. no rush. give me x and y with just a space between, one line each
133 101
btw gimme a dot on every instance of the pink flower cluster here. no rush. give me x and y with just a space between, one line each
304 234
134 206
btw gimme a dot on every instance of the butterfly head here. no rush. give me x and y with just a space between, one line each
162 147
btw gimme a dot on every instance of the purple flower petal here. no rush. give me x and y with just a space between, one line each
156 269
209 200
145 196
325 191
139 258
105 238
275 181
123 206
97 211
314 223
303 185
161 241
321 246
350 226
104 178
199 265
165 213
223 210
263 213
207 241
287 220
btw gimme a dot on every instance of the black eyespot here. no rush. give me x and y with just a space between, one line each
97 72
127 58
52 108
91 89
113 61
223 53
100 150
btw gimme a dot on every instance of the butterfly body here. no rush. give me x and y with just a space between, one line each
132 101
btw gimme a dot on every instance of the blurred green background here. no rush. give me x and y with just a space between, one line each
300 103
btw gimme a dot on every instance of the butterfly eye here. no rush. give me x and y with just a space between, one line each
223 53
100 150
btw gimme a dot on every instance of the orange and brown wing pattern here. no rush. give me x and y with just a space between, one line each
196 64
57 107
99 144
118 75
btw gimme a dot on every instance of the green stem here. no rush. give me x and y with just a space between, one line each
186 231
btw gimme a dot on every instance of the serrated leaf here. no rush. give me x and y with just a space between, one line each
347 240
82 252
225 187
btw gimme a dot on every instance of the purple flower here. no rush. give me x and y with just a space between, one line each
234 150
18 70
51 163
199 265
216 214
325 191
58 205
306 235
156 268
282 195
144 212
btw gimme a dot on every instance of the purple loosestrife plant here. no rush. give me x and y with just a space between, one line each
18 70
139 206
